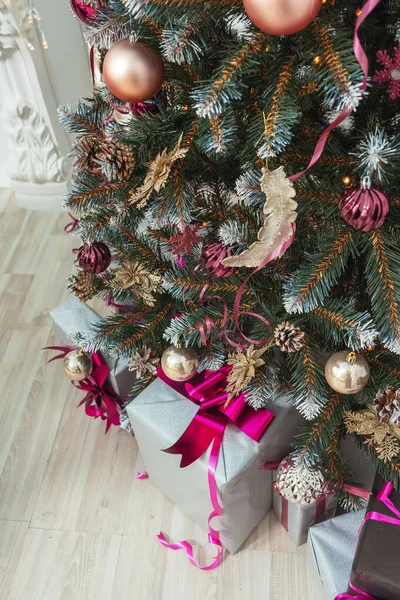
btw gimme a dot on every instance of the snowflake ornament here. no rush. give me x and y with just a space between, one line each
183 241
391 71
143 362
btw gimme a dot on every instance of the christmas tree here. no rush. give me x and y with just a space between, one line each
197 228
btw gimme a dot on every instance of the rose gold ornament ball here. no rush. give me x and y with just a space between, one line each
133 71
281 17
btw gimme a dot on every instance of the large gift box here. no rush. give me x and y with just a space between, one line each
160 415
330 551
296 504
376 563
77 317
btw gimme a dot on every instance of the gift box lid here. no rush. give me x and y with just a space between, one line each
75 316
331 547
165 414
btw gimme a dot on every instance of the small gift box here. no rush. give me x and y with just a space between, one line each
376 563
163 417
77 317
300 499
330 551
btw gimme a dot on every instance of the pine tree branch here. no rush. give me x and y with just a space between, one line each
320 423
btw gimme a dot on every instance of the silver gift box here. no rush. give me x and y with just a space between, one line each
302 516
74 317
160 415
330 551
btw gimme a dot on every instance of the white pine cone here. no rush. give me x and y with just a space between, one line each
288 337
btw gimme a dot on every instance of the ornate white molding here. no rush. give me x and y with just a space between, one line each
33 155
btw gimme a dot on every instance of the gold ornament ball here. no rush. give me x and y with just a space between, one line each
281 17
77 365
347 372
179 364
133 71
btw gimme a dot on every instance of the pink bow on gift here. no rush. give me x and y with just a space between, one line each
100 400
207 427
213 415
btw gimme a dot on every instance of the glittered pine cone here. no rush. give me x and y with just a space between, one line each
116 160
387 405
84 285
85 152
288 337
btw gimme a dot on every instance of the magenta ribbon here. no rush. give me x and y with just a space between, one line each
100 400
70 227
141 475
359 595
207 428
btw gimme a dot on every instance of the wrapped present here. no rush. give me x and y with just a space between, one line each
375 568
77 317
300 498
330 551
223 450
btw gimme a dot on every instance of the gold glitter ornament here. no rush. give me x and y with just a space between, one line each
77 365
347 372
179 364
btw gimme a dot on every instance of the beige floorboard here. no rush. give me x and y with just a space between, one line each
75 523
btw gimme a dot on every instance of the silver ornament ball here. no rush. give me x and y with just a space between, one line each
179 364
77 365
347 372
299 483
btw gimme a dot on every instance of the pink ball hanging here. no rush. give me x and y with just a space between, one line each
364 209
95 257
211 260
84 10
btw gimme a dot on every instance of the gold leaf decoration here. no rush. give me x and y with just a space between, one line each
158 174
280 214
244 369
383 436
143 284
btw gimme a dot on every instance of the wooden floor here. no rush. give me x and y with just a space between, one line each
75 523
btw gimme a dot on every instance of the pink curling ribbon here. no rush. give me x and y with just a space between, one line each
142 475
70 227
363 61
207 428
359 595
356 491
100 400
319 148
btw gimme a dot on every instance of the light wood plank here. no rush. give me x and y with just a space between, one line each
91 526
64 565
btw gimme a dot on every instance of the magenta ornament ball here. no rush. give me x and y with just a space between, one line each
84 12
95 257
364 209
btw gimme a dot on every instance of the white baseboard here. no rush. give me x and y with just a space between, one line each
4 178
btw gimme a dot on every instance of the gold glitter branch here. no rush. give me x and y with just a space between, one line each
254 46
332 58
283 82
322 268
387 281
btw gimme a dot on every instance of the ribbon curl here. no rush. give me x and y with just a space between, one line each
207 428
100 400
319 148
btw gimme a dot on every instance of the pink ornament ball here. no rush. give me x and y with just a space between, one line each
95 257
282 17
364 209
84 11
